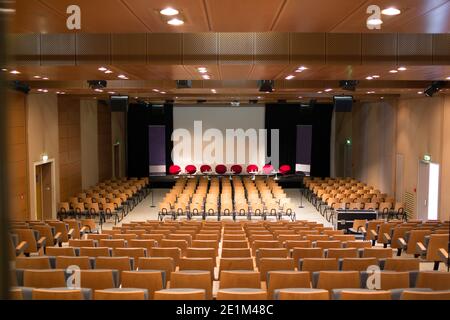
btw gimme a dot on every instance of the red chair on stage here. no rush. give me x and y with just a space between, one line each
285 169
205 168
252 168
191 169
221 169
174 169
267 169
236 169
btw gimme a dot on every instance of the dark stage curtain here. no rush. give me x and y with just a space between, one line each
286 117
140 116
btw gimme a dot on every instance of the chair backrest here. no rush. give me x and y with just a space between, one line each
120 294
39 262
97 279
435 280
319 264
180 294
287 279
50 278
112 243
417 295
328 244
193 279
94 251
77 243
436 242
329 280
275 264
236 264
402 264
236 253
379 253
65 262
239 279
358 264
60 251
365 295
165 264
301 253
55 294
204 264
416 236
174 253
342 253
149 280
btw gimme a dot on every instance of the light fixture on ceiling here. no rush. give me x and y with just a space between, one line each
435 86
155 90
111 92
369 78
4 70
401 69
328 90
175 22
419 92
302 68
448 78
122 76
374 22
290 77
108 71
206 77
162 92
375 76
169 11
98 90
213 90
37 77
202 70
45 78
102 69
319 92
393 71
259 97
391 11
14 72
370 92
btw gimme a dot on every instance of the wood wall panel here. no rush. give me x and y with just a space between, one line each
17 156
104 142
69 146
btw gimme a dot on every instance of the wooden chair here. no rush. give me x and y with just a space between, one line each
241 294
239 279
149 280
180 294
195 279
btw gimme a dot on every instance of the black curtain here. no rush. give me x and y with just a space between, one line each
286 117
140 116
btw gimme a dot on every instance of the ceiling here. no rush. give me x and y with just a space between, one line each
136 16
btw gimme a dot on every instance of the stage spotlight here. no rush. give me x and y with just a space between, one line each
266 85
349 85
435 86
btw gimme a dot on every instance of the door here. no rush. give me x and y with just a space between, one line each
428 191
44 191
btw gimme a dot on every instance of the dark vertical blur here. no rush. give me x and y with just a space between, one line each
4 252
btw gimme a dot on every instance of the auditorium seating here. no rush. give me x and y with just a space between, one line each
262 262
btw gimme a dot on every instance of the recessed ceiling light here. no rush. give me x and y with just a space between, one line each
202 70
319 92
375 76
111 92
381 98
206 77
14 72
419 92
163 92
44 78
401 68
98 90
369 78
391 11
448 78
102 69
169 11
213 91
37 77
121 76
302 68
108 71
4 70
374 22
370 92
175 22
259 97
155 90
62 92
393 71
328 90
39 90
289 77
300 97
45 90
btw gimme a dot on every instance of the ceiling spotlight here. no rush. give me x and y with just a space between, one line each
155 90
375 76
121 76
202 70
300 97
419 92
302 68
45 78
4 70
349 85
448 78
369 78
169 12
37 77
393 71
162 92
401 69
108 71
175 22
328 90
111 92
102 69
206 77
391 11
436 86
374 22
45 90
319 91
98 90
213 91
370 92
14 72
289 77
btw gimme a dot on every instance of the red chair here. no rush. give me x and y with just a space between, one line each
191 169
174 169
221 169
267 169
236 169
285 169
205 168
252 168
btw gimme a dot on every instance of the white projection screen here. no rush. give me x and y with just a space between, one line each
205 145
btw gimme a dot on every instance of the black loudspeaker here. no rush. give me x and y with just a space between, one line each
20 86
343 103
119 103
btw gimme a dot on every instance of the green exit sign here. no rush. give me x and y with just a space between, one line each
427 157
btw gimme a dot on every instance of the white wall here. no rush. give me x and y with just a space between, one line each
89 143
43 137
221 118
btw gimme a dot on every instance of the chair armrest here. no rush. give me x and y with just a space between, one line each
402 243
42 241
421 249
21 247
70 233
373 235
84 230
386 238
444 255
362 230
58 237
